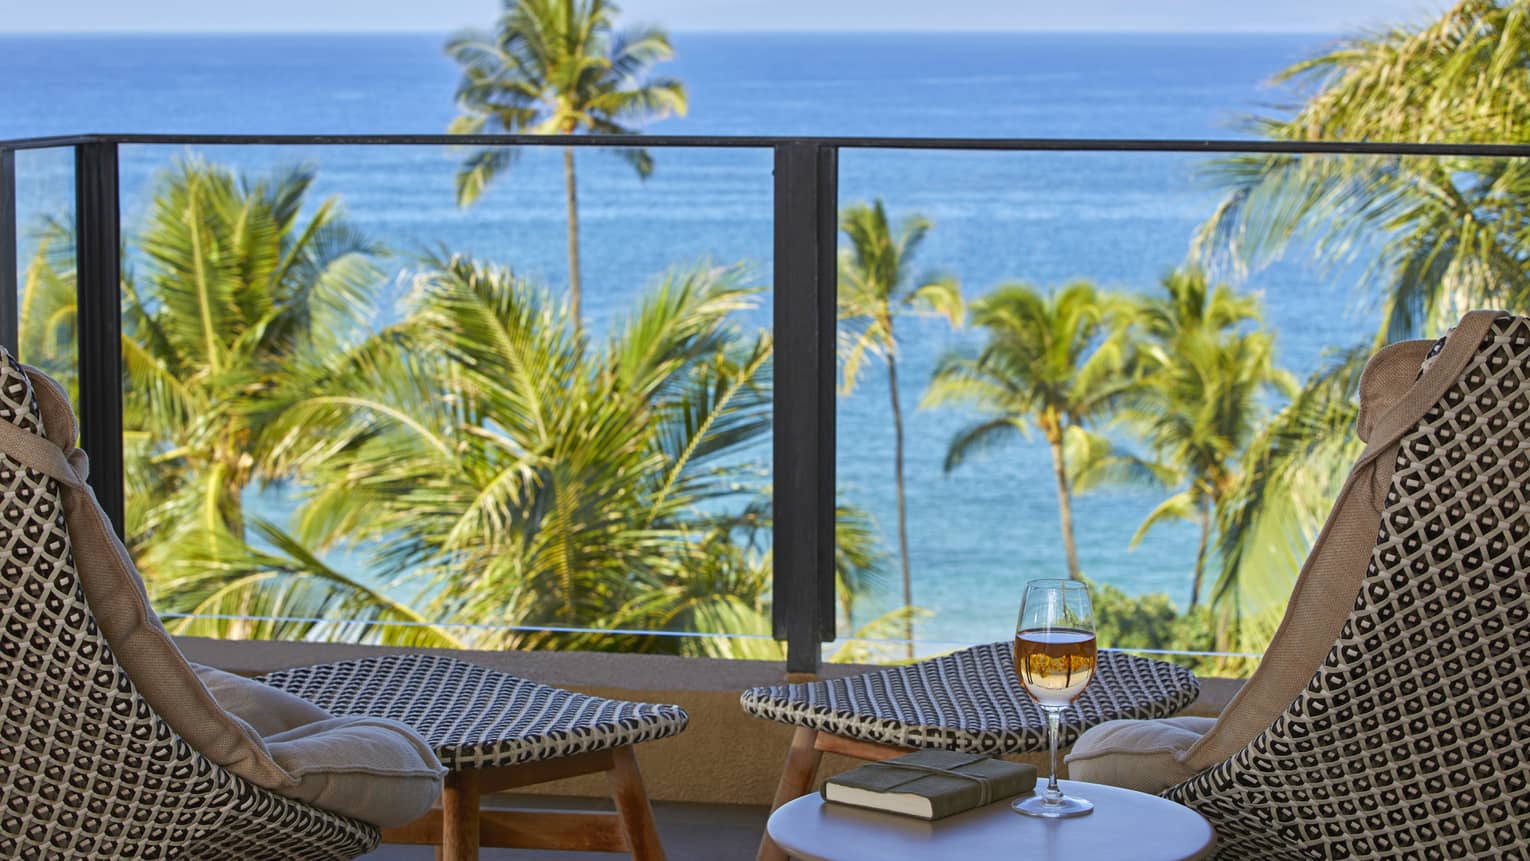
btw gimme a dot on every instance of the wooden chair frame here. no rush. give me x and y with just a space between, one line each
807 750
459 827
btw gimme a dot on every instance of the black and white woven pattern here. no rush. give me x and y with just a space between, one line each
1411 740
476 717
971 701
87 770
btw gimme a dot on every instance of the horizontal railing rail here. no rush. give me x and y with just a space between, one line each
804 281
1164 145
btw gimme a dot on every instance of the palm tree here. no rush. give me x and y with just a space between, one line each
236 292
1057 361
525 478
559 67
1200 402
875 288
1442 234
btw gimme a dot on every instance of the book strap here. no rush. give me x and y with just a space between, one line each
985 784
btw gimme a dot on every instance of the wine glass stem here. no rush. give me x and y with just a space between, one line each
1053 795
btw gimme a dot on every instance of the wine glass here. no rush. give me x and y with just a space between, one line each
1054 658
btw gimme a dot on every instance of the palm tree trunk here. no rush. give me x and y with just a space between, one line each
571 191
908 583
1200 553
1064 502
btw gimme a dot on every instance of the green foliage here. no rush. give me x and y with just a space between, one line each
875 289
237 292
1125 622
1205 368
1056 360
1052 359
858 559
526 477
496 469
1288 478
1441 235
1153 622
1438 235
46 307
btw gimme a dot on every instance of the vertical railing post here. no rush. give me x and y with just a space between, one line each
806 213
9 281
98 249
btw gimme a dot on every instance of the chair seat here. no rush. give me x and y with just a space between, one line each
476 717
971 701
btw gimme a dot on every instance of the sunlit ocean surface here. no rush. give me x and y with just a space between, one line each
1121 219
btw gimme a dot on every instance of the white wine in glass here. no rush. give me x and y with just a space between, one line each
1054 658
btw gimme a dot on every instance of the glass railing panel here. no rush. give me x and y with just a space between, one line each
1028 239
45 260
367 415
357 409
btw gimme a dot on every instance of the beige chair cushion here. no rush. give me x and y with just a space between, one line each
376 770
1145 755
263 708
120 603
372 769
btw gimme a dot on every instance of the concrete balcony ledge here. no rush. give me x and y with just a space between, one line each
724 757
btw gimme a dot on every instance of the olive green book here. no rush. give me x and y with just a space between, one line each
930 784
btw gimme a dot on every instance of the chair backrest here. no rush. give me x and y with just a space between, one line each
87 768
1410 739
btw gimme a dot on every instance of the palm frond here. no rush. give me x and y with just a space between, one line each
1438 234
1095 460
1179 506
1287 481
231 590
478 170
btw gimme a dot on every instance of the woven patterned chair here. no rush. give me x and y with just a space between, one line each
1391 715
87 768
495 731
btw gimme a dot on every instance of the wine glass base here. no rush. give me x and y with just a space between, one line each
1061 808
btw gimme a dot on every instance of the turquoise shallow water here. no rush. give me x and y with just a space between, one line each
1121 219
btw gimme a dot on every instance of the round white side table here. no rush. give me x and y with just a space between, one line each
1124 824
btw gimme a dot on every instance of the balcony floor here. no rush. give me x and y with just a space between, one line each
691 832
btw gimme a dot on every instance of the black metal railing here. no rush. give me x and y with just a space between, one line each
804 266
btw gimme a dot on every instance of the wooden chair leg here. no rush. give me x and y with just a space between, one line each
633 808
459 816
796 779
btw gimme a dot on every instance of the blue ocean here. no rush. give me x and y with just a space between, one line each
1119 219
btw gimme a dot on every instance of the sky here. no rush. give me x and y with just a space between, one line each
1296 16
